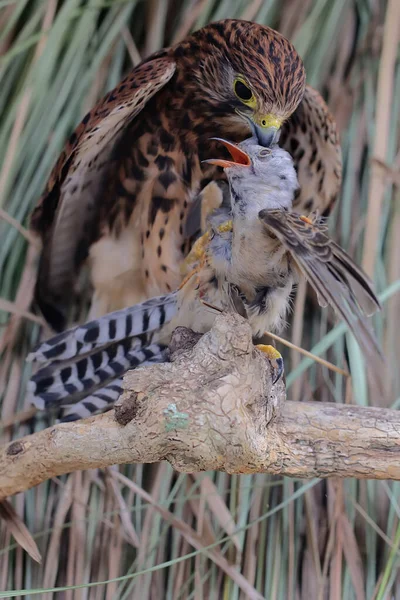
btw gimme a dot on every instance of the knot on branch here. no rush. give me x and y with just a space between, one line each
211 405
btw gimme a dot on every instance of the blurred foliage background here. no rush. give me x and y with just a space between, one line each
127 530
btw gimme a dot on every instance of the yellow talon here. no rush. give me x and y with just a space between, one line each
275 358
197 251
199 247
188 277
225 227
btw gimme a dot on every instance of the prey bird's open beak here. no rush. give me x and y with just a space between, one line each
240 158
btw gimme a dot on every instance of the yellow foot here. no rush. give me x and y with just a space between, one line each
189 276
225 227
197 252
276 360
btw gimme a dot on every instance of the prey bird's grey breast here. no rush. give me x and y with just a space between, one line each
251 266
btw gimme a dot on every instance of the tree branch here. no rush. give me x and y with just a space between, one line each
212 407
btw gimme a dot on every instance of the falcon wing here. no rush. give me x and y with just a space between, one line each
311 137
337 280
66 213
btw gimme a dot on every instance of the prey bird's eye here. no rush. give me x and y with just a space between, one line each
243 92
265 152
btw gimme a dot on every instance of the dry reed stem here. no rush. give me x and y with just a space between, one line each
18 529
193 538
131 46
30 237
23 107
155 21
297 335
189 18
382 129
318 359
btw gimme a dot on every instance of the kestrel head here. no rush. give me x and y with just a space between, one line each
243 69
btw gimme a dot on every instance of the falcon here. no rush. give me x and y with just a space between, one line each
248 261
123 190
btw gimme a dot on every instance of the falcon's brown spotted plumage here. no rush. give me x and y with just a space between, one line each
121 190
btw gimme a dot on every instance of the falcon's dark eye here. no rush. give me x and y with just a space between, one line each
243 92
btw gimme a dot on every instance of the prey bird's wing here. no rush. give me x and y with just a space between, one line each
311 137
337 280
67 213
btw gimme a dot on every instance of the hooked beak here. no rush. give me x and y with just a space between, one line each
267 136
266 128
240 158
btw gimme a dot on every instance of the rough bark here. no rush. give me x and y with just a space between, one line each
212 407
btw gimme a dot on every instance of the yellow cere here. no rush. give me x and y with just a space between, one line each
268 121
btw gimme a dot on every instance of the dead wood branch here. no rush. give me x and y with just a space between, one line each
212 407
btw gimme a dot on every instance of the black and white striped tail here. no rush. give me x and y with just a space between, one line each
113 327
103 399
96 402
59 384
83 364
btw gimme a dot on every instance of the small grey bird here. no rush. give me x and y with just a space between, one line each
248 260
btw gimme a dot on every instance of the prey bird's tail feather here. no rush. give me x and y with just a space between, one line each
357 281
85 360
337 280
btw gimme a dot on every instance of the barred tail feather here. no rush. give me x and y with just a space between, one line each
96 402
113 327
359 281
52 386
326 279
102 399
